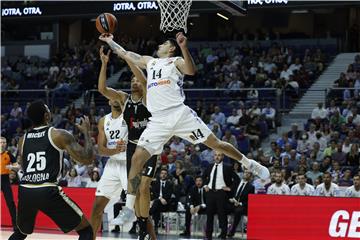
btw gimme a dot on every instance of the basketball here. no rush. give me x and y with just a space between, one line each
106 23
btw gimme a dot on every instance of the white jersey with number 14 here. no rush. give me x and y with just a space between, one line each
164 85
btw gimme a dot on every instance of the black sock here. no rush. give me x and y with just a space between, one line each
85 233
143 224
17 235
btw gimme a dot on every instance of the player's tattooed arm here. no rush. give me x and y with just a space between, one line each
134 183
64 140
138 60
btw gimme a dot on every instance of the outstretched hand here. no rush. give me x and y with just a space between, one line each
181 39
106 37
84 125
104 57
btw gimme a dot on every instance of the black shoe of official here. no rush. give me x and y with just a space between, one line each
133 229
143 228
222 236
116 229
185 234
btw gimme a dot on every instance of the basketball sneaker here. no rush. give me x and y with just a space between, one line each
126 215
259 170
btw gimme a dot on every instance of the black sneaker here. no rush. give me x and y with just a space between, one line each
143 233
185 234
133 228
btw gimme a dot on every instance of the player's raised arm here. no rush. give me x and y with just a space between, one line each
139 74
103 150
108 92
66 141
132 57
186 65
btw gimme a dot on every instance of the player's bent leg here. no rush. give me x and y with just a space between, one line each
97 212
138 161
144 191
84 229
229 150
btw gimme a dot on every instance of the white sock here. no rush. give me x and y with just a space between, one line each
245 161
130 201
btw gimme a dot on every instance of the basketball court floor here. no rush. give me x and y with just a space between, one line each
50 235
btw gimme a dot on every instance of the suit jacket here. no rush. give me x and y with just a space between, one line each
167 191
231 179
243 198
195 196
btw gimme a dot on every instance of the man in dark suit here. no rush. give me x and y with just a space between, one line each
219 179
240 201
161 191
195 204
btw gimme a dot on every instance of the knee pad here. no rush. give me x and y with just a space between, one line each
86 233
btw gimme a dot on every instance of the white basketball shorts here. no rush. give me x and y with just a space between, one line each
113 180
181 121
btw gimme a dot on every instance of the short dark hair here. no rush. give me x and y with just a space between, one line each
173 42
36 112
199 176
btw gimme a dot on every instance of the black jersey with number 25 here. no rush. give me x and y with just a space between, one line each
42 160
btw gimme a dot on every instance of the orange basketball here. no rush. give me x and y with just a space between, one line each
106 23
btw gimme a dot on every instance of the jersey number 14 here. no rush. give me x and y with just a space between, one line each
156 75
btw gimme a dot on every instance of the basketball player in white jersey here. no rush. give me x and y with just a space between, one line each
136 117
327 188
302 188
278 187
112 138
354 190
170 116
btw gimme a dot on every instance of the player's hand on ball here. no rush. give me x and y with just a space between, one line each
181 39
104 57
106 37
84 125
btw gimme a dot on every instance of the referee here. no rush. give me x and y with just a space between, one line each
6 159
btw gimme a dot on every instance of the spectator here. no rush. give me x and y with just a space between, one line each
325 166
177 145
346 180
269 113
354 190
353 157
303 145
73 179
294 133
335 171
281 142
16 111
321 140
286 72
332 108
94 179
316 153
207 155
279 187
331 149
302 188
327 188
294 159
314 173
233 120
253 133
230 138
339 155
254 111
319 112
218 116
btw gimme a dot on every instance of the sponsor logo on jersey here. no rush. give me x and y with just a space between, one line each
159 83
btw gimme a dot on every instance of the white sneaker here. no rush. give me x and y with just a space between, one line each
259 170
126 215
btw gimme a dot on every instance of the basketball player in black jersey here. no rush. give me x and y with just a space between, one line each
41 158
136 116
